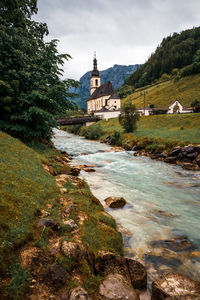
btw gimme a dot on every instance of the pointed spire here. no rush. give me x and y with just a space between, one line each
95 71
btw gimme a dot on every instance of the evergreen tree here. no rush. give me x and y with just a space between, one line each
31 92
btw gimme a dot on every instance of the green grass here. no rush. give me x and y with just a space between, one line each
180 128
24 188
186 90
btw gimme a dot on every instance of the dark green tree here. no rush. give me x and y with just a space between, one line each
196 105
129 116
31 91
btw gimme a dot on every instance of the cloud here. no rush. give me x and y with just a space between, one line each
121 31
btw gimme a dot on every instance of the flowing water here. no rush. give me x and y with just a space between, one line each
162 214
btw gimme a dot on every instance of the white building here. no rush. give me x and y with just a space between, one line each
177 108
103 101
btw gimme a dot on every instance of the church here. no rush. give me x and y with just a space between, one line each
103 101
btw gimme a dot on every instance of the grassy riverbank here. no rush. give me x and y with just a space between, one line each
38 184
158 131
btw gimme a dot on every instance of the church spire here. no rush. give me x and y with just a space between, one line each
95 71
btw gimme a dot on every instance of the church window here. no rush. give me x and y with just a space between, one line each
96 81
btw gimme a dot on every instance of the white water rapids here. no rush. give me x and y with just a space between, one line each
163 201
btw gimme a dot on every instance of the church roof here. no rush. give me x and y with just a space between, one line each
114 96
105 89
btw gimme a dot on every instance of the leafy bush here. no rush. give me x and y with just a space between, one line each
116 138
129 116
92 132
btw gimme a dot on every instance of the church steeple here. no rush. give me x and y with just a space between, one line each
95 71
95 80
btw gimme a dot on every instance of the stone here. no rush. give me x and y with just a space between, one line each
75 250
115 202
116 287
177 244
89 170
56 276
79 294
175 285
48 223
107 262
183 298
63 296
189 149
72 224
170 160
137 273
127 147
175 151
44 213
74 171
190 166
192 156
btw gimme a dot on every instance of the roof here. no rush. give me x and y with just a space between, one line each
114 96
105 89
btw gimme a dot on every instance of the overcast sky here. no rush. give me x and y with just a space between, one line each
120 31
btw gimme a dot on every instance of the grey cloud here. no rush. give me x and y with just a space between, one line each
121 31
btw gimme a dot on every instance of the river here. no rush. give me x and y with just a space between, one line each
162 214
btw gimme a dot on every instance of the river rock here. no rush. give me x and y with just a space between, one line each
190 166
75 250
175 151
189 149
175 285
74 171
56 276
170 159
177 244
79 294
192 156
115 202
89 170
138 274
48 223
116 287
107 262
127 147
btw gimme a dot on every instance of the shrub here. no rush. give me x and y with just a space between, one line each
92 132
116 138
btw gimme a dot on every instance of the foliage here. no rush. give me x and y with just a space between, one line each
30 88
116 138
129 116
196 105
92 132
72 128
175 52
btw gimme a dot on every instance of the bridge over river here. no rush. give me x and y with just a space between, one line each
78 120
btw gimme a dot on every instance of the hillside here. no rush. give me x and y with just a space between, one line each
162 94
51 227
177 55
116 74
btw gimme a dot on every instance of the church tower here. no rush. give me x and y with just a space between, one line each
95 80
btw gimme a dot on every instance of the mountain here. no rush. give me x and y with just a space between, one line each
178 54
116 75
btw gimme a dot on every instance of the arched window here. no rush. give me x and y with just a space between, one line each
96 81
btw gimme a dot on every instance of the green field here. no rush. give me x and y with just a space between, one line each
179 128
186 90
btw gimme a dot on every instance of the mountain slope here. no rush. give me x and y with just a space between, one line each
162 94
116 74
177 53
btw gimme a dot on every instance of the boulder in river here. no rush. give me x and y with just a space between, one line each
177 244
175 285
115 202
137 273
115 286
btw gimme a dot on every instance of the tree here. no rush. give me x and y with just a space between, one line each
31 91
129 116
196 105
